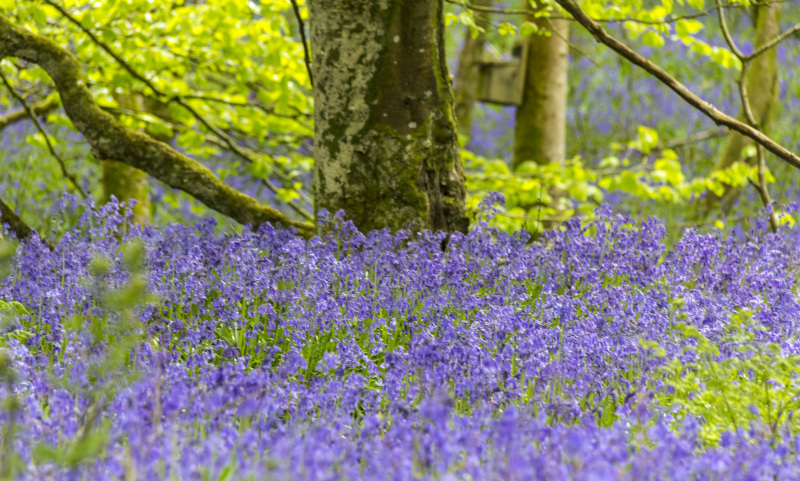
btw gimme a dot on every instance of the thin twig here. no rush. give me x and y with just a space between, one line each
571 45
258 106
726 33
775 41
302 27
693 139
761 188
46 136
741 84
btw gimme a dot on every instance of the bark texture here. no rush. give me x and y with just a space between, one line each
468 71
540 134
385 147
112 141
13 221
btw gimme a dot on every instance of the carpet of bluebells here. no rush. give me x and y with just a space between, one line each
593 353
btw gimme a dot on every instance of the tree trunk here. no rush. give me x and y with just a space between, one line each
540 134
763 91
385 146
124 182
467 72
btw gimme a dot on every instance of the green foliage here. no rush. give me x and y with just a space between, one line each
759 385
467 19
238 64
537 194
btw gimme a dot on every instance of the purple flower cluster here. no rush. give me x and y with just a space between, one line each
378 356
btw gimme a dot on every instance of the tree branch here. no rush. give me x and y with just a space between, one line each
302 27
251 153
40 108
720 118
17 225
35 118
775 41
112 141
726 33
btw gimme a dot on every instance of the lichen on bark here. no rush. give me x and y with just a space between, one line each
386 150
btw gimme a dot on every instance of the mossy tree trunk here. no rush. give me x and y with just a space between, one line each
540 134
385 147
124 182
468 71
763 91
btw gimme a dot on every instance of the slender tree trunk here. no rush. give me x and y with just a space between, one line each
385 147
763 91
124 182
467 72
540 134
127 183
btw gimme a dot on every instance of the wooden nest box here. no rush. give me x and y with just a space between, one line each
503 81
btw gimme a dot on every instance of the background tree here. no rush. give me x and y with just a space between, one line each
122 181
540 133
762 93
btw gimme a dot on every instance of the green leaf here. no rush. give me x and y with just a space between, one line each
507 29
653 39
725 58
528 28
688 27
497 167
